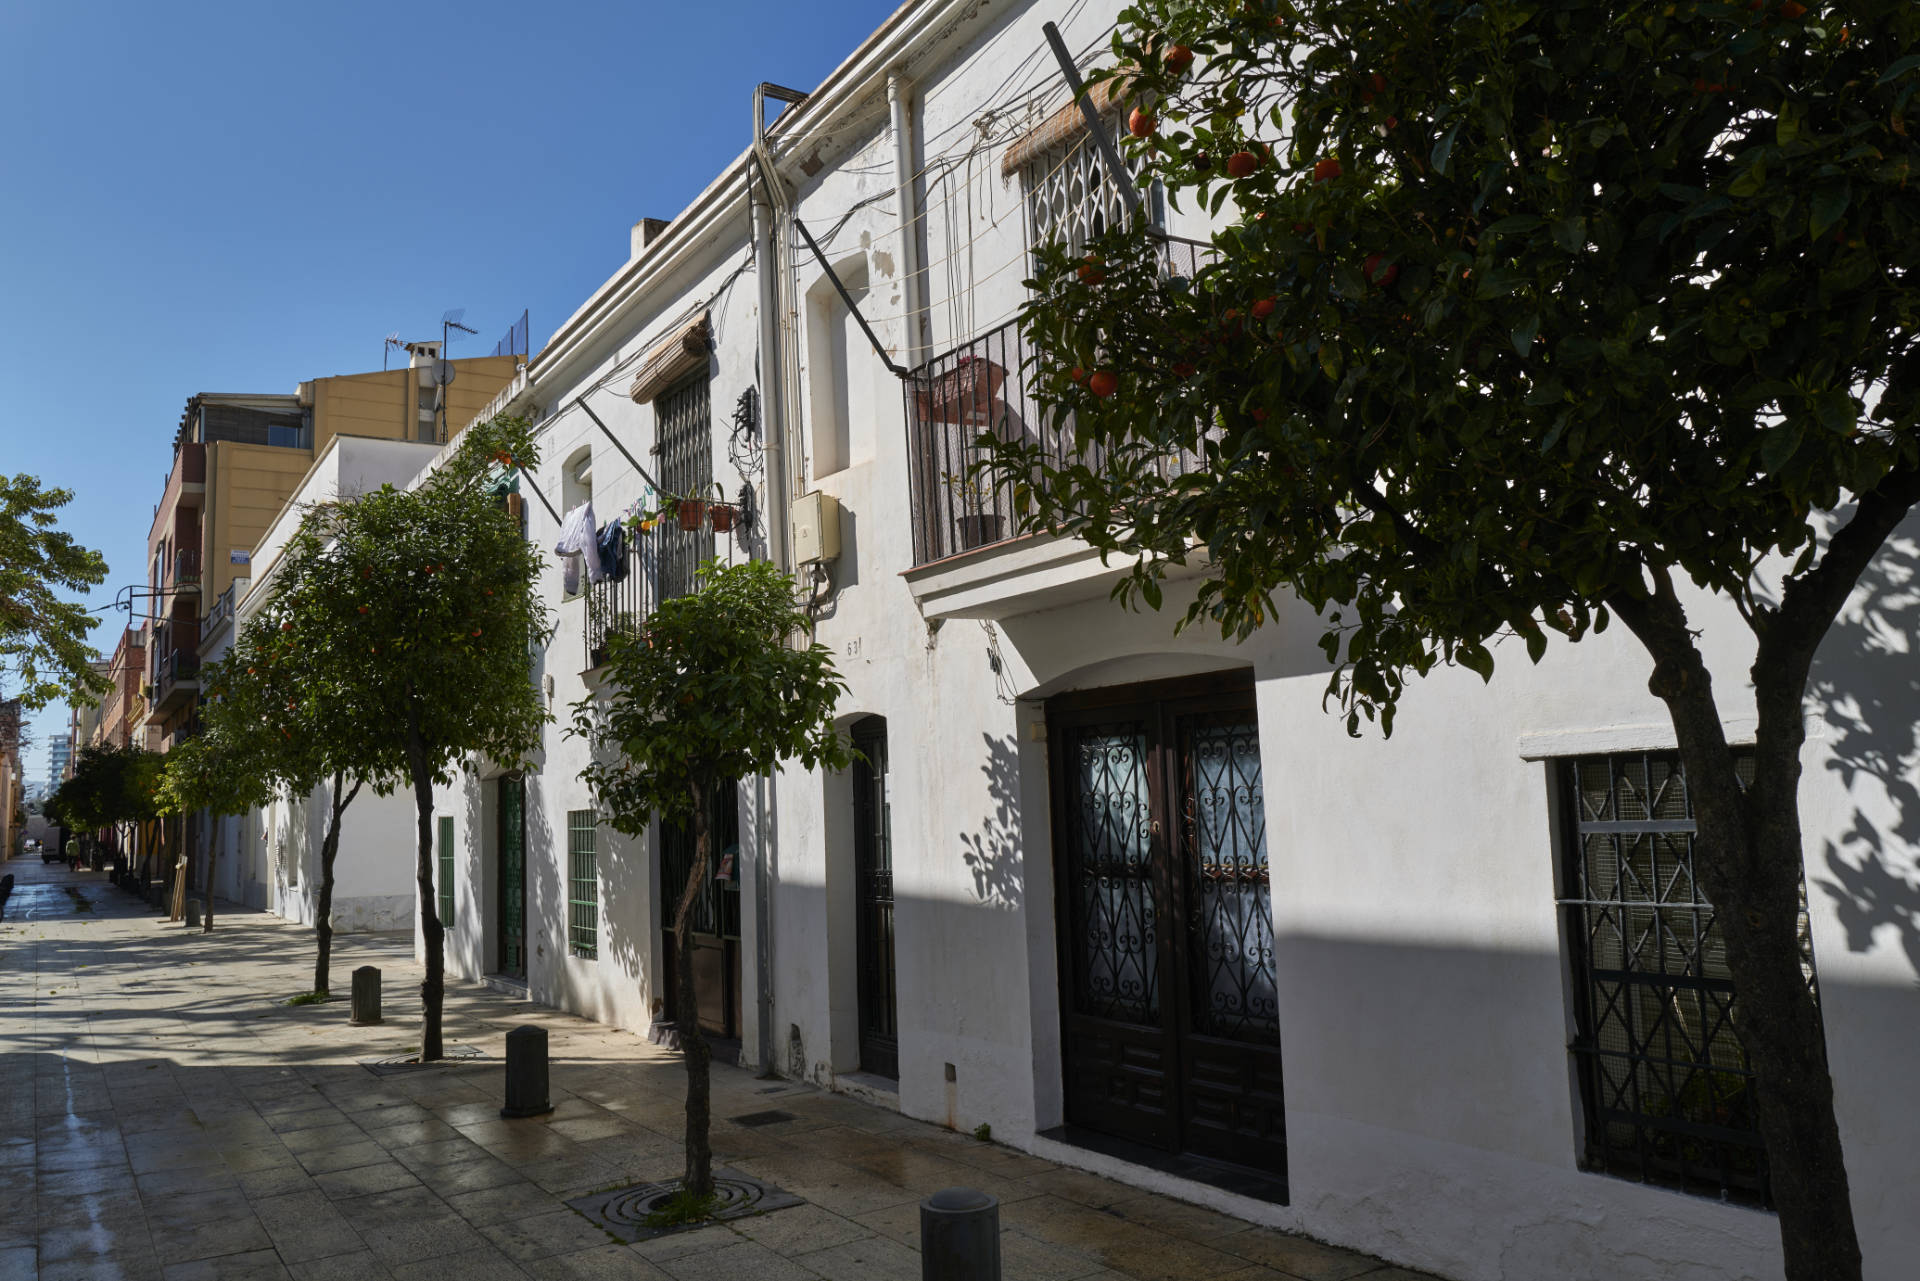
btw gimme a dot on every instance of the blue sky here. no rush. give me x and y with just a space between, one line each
208 197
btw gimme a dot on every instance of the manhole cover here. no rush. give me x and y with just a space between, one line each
409 1061
764 1118
624 1211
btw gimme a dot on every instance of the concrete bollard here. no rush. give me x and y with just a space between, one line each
191 913
526 1073
960 1236
366 997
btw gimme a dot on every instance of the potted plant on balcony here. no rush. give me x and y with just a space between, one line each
692 513
958 394
974 517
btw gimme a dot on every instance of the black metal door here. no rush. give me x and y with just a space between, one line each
873 871
1170 1020
511 869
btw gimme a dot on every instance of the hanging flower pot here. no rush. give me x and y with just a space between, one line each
693 513
722 517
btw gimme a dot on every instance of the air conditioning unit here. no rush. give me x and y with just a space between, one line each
816 528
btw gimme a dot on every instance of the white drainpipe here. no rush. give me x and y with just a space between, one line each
900 98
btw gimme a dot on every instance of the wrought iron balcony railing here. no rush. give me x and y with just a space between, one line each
658 564
186 567
980 388
218 616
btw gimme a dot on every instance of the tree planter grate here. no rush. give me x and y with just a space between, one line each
773 1117
623 1211
409 1061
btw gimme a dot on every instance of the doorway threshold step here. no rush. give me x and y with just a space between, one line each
1260 1185
507 985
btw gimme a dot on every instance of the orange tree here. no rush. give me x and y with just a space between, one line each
216 770
1526 315
708 690
43 646
403 624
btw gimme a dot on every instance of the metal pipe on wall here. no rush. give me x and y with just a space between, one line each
900 99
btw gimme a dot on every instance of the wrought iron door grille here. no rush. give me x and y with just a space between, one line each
716 905
1115 924
583 884
445 851
1665 1085
1230 905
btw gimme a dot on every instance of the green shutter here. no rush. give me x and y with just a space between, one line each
446 872
583 879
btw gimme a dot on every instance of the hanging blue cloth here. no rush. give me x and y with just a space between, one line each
613 551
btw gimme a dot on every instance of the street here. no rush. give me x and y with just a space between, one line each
167 1115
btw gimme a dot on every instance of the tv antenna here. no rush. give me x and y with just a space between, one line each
443 369
386 350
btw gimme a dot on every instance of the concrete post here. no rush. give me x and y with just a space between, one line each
960 1236
366 997
192 916
526 1073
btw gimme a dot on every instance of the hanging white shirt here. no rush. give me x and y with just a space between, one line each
579 542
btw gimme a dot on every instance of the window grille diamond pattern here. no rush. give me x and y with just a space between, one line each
583 884
1110 845
1070 197
1665 1083
1230 933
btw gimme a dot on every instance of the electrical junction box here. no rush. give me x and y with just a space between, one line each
816 528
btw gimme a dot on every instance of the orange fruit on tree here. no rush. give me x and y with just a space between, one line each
1326 169
1103 383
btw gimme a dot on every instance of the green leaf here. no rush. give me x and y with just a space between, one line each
1898 68
1443 149
1778 443
1524 333
1828 206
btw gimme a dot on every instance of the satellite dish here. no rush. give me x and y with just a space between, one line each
443 372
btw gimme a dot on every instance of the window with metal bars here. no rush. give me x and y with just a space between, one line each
444 851
583 884
1666 1091
684 436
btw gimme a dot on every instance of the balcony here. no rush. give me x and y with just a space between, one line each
219 616
178 670
971 559
185 575
659 564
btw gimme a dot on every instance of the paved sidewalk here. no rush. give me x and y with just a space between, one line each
164 1114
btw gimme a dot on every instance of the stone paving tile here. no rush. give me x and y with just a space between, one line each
181 1118
603 1263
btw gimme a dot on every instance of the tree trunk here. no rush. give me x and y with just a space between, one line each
433 986
323 910
1748 858
213 859
698 1178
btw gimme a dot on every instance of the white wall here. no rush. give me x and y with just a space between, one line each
1431 1110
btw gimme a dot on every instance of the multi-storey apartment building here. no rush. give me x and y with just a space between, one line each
236 460
1132 898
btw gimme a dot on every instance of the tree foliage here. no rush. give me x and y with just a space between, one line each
1528 313
400 633
43 646
1526 302
705 691
110 785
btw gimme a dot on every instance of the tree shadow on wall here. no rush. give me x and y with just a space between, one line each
1866 684
992 852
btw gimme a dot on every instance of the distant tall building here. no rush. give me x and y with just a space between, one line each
60 762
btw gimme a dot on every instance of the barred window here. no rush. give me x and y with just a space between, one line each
1070 198
445 852
583 884
1665 1086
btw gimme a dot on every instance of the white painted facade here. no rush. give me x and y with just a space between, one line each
1432 1115
271 858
